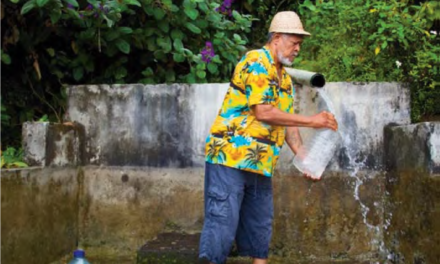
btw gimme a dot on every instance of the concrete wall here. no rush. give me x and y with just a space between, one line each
166 125
39 214
413 193
145 147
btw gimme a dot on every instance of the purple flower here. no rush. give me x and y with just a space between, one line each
207 52
89 7
225 8
70 6
81 15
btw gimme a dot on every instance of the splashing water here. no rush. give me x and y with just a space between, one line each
321 148
354 167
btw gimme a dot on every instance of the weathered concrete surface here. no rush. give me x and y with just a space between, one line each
39 210
166 125
124 207
413 193
362 111
145 125
412 217
413 147
49 144
339 218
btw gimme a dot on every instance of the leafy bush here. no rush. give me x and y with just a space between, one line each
47 44
376 41
12 158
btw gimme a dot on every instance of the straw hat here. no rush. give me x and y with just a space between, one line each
287 22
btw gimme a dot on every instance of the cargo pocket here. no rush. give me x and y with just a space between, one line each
218 206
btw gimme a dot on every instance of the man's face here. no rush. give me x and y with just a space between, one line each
288 48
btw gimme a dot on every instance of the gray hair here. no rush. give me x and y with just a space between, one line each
271 34
270 37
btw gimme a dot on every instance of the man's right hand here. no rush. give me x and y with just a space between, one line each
325 119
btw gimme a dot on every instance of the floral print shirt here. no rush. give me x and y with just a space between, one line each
237 139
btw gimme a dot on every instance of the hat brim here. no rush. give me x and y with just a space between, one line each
296 32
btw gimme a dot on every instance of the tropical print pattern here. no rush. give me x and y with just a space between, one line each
237 139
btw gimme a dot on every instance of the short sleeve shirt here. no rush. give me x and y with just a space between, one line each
237 139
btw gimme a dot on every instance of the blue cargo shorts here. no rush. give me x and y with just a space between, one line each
238 206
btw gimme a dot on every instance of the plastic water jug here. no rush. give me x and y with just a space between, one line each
315 154
79 257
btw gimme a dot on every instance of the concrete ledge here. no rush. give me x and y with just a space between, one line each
413 147
49 144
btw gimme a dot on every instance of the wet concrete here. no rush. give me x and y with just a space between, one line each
412 217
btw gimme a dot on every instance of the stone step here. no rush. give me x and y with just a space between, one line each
170 247
176 248
182 248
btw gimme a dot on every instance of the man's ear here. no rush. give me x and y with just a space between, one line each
276 37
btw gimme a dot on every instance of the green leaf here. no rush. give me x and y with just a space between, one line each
41 3
109 21
203 7
51 52
19 164
201 74
190 78
165 44
14 1
178 45
112 35
123 46
170 77
191 12
212 67
148 72
164 25
132 2
217 59
193 28
177 34
214 17
125 30
120 73
158 13
27 7
149 31
55 16
178 57
72 2
6 59
78 73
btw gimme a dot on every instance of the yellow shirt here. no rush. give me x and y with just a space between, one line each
237 139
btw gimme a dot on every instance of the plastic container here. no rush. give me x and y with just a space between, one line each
314 156
79 257
316 153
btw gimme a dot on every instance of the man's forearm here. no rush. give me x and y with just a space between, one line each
274 116
293 139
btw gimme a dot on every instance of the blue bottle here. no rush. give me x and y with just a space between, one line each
79 257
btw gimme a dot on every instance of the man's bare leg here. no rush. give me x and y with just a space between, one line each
259 261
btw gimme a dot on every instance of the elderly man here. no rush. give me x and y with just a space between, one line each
244 143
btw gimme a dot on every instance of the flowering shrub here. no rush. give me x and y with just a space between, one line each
49 43
208 52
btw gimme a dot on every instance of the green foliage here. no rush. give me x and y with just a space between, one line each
54 43
134 41
12 158
4 117
48 44
372 40
6 59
